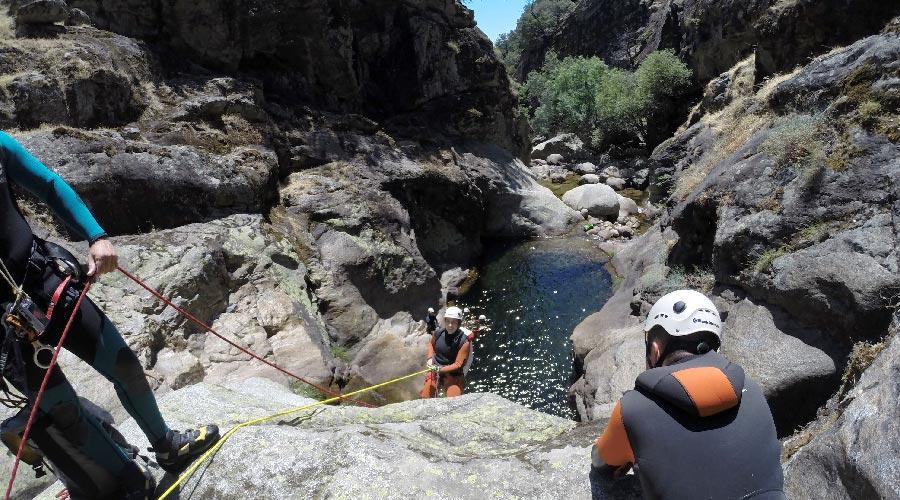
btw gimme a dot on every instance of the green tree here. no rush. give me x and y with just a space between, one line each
566 94
604 105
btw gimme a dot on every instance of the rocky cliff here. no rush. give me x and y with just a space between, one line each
781 203
305 176
711 36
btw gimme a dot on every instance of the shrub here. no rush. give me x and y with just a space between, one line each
796 141
601 104
340 352
566 94
765 260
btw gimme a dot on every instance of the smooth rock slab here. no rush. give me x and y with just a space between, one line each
475 446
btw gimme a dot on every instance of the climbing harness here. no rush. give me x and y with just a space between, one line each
40 393
253 355
212 451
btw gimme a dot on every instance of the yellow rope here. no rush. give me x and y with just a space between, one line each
187 474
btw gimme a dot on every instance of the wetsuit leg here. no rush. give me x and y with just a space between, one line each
71 438
429 390
98 342
454 384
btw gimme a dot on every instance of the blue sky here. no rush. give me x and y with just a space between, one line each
496 16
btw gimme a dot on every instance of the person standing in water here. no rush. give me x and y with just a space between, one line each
448 352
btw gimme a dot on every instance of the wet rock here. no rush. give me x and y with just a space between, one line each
599 199
42 12
589 179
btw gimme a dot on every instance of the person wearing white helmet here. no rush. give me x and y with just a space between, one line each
430 321
448 352
695 426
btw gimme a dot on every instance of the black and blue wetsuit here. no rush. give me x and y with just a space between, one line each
93 338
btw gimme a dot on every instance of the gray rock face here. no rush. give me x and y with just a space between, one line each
855 453
42 12
599 199
870 60
79 79
785 358
786 34
568 146
466 447
448 78
107 170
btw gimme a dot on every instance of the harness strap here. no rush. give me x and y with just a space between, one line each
56 295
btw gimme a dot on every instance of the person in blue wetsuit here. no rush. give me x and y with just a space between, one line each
78 445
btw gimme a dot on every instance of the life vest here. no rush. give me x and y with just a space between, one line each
446 348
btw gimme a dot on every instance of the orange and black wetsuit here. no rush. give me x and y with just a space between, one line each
449 351
695 429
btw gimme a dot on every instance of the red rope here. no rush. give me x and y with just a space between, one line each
242 349
40 393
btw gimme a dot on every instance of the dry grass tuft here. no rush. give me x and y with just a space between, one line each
734 126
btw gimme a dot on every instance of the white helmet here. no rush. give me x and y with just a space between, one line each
482 317
453 313
466 310
684 312
431 310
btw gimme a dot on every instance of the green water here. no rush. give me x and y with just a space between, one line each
534 295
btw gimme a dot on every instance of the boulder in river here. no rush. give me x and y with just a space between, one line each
585 168
555 159
599 199
616 183
568 145
589 179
